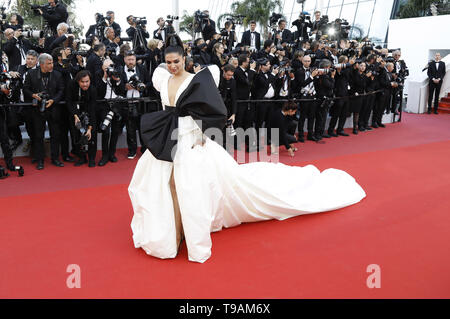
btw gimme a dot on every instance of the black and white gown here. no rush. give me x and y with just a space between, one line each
213 190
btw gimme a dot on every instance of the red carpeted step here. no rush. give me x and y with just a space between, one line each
444 107
445 99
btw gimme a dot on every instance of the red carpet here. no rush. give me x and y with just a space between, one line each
57 217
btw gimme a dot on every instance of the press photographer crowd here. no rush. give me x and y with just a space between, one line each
98 85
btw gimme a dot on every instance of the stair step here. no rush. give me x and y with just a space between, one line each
442 110
445 99
444 105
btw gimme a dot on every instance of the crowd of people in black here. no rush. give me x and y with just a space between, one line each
283 83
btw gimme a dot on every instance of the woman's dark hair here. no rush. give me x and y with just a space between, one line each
174 45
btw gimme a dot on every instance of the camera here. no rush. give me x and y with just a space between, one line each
29 33
45 7
114 111
136 83
41 104
81 53
83 126
274 18
140 21
113 71
200 20
8 82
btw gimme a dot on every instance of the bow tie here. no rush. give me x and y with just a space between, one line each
307 70
131 70
253 32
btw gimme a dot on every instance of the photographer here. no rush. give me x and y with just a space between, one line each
200 55
228 91
161 33
436 72
54 13
264 89
81 99
303 87
228 36
110 17
324 87
138 33
252 38
4 140
244 76
302 23
383 83
109 87
17 46
45 88
316 24
15 23
340 108
137 83
268 52
358 87
208 26
281 119
95 60
282 34
111 41
400 73
372 86
61 39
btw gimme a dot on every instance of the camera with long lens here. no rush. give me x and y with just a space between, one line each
136 83
102 21
200 20
273 20
41 104
114 112
9 82
29 33
45 8
80 53
140 21
83 126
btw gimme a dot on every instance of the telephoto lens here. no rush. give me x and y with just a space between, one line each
107 120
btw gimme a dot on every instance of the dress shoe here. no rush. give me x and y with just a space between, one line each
57 163
355 131
436 112
113 159
368 128
381 125
326 135
301 139
40 165
312 138
69 159
80 162
91 163
131 155
103 161
429 111
342 133
375 125
362 129
332 134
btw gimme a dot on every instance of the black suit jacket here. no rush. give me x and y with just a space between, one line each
34 84
243 83
159 36
246 39
13 53
89 101
436 73
299 81
286 36
94 64
261 84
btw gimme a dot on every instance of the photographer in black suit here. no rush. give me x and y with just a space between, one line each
45 89
161 33
325 91
81 98
281 119
282 34
137 83
252 38
209 27
17 46
228 91
303 87
54 13
436 73
95 61
4 140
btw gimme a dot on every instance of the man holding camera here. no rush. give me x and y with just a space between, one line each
95 61
303 87
81 99
45 89
17 46
161 32
208 26
54 13
282 34
436 73
137 81
109 87
138 34
325 92
111 41
228 91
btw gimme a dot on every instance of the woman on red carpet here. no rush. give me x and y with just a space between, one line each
186 185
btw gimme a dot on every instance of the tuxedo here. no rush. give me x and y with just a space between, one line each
93 65
16 50
303 86
286 36
340 108
245 111
53 84
247 39
436 70
162 36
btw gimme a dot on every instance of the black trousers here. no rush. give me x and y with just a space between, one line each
131 124
4 140
52 117
320 117
366 110
338 112
245 117
263 114
307 111
434 89
92 145
378 108
13 123
67 126
100 114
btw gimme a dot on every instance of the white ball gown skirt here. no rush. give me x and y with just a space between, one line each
215 192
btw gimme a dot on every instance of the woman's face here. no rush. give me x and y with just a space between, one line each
175 63
220 49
